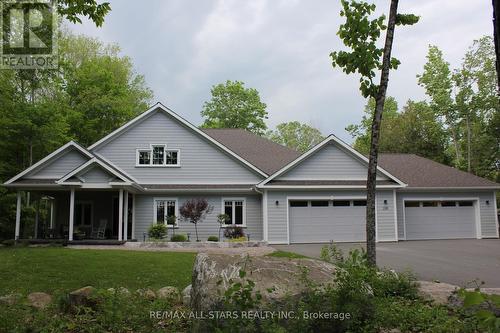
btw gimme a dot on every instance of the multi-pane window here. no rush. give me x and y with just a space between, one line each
235 209
144 157
166 211
158 155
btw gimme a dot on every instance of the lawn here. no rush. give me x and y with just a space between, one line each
54 270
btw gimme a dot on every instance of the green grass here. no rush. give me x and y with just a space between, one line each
54 270
286 254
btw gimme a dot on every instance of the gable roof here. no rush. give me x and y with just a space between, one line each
265 154
50 157
420 172
327 140
160 107
90 163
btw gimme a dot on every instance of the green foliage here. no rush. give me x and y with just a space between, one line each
232 232
238 239
300 137
213 239
483 307
72 9
113 312
178 238
361 33
234 106
157 231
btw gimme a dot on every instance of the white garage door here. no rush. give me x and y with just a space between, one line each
440 219
319 221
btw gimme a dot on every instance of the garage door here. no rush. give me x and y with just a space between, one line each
318 221
440 219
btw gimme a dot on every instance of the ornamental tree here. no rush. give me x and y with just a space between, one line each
195 211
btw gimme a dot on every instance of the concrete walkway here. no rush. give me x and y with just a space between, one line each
453 261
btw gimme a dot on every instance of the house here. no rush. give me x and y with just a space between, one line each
142 172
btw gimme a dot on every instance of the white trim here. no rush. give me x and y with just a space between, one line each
132 235
184 122
326 186
395 215
155 199
233 199
85 165
376 217
47 158
496 212
116 167
493 188
265 222
331 137
476 204
71 213
125 216
18 215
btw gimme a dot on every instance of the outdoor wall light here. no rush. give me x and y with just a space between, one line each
385 202
189 236
487 202
277 202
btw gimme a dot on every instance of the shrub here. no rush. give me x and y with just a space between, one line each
213 239
178 238
9 242
157 231
237 240
232 232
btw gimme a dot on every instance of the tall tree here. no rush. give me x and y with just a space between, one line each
73 9
234 106
295 135
360 34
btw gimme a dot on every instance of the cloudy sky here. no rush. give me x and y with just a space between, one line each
279 47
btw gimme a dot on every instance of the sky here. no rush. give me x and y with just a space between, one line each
279 47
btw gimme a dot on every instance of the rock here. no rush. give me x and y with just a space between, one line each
146 293
169 293
121 291
10 299
82 297
39 300
212 274
186 295
437 292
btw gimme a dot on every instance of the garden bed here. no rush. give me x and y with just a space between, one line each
187 245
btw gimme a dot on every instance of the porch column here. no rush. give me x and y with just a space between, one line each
120 215
18 215
125 217
37 217
71 213
133 216
51 222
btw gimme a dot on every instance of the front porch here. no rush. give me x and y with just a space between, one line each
76 215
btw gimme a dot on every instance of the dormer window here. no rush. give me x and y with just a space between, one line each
157 156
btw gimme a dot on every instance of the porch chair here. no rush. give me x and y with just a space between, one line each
100 232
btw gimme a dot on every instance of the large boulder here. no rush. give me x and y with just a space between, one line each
10 299
82 297
39 300
438 292
212 274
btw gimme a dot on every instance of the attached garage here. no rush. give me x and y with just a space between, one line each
321 221
430 219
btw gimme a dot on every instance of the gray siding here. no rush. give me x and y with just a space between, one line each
201 161
330 162
96 175
487 212
60 165
209 227
277 214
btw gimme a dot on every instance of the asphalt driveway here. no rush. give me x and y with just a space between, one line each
452 261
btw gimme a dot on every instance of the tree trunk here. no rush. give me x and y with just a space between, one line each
375 135
467 119
496 36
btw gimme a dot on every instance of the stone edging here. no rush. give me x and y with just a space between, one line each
204 245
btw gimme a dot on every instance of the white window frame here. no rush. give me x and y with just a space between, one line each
165 150
176 200
223 211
